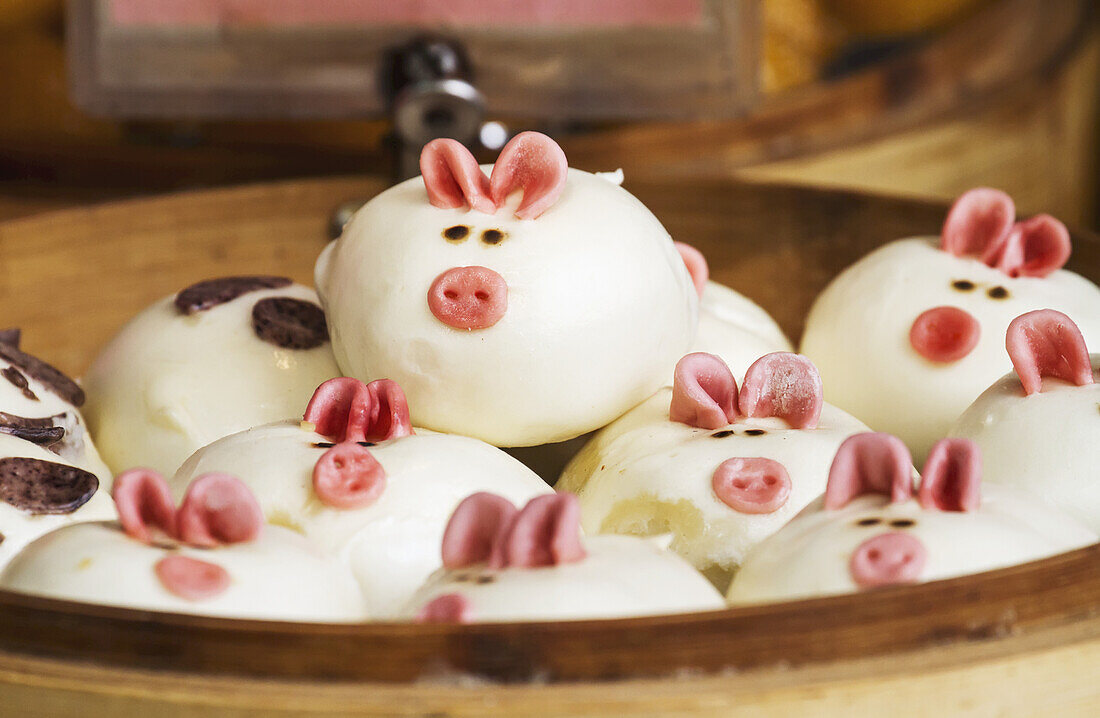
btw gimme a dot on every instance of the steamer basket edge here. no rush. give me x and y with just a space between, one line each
1037 606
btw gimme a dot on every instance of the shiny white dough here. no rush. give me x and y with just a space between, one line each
600 308
735 328
1046 443
645 474
20 527
392 545
278 576
168 384
857 334
620 576
809 556
77 446
731 326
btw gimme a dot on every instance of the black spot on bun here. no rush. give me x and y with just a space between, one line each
45 487
212 292
10 336
52 378
42 431
289 323
19 381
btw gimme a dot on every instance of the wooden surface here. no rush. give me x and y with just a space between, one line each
552 60
1020 641
1005 98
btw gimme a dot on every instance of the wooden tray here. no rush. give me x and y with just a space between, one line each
1020 641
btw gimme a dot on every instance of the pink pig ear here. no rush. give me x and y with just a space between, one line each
446 608
546 532
1047 343
784 385
696 265
474 528
389 412
1034 248
704 392
869 463
218 509
144 503
951 480
341 409
533 162
453 178
978 223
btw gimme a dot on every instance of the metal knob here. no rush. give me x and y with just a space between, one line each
427 82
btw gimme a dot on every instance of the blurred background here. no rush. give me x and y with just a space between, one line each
107 99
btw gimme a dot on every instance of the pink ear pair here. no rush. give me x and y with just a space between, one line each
346 409
876 463
1046 343
217 509
531 162
982 223
782 385
486 528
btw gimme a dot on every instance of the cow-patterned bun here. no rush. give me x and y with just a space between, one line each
501 563
718 468
39 404
871 528
1037 427
213 556
221 356
518 318
908 336
40 491
358 481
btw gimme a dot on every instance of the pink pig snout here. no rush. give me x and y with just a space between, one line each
468 297
945 334
887 559
752 486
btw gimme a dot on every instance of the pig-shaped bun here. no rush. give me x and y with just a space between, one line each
1038 426
870 529
907 337
717 467
501 563
731 326
359 482
520 308
41 405
40 491
221 356
212 555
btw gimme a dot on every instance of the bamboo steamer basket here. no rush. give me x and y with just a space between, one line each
1016 642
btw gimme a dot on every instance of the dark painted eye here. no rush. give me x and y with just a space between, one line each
869 521
963 285
323 445
367 444
493 236
456 233
722 434
903 523
483 579
755 432
998 292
